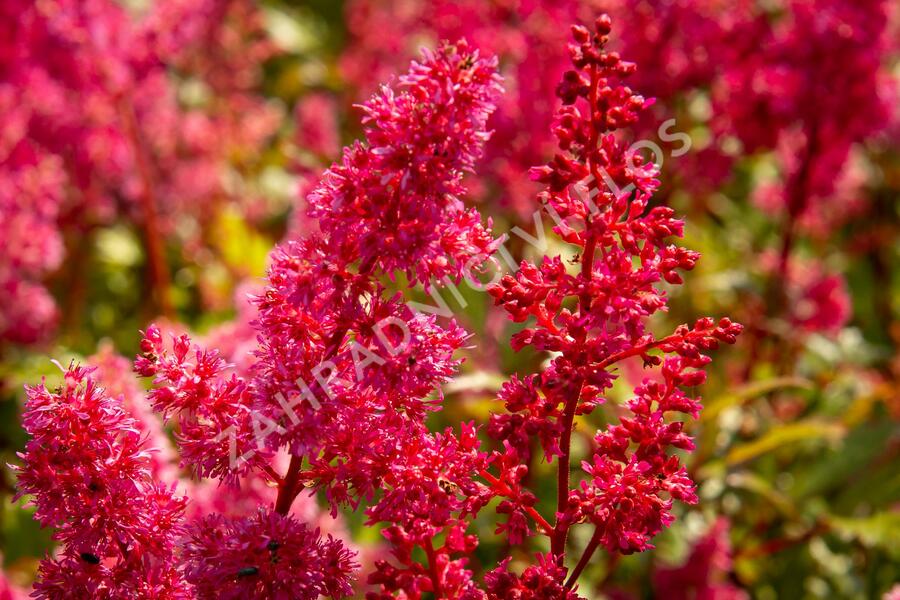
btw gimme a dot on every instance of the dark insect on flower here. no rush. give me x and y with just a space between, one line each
248 572
90 558
448 486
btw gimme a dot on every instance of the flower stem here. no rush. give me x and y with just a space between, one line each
530 510
159 270
289 488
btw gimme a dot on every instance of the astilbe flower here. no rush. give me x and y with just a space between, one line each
214 410
598 192
391 199
87 472
529 39
266 555
344 375
541 580
390 207
95 474
206 496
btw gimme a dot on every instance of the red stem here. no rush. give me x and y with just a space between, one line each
530 510
289 487
159 269
561 530
271 473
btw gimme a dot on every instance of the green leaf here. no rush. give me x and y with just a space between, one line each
880 531
751 391
784 435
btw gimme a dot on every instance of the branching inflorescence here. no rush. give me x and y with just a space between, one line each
345 374
595 317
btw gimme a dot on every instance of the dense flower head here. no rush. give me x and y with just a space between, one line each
87 471
429 481
392 198
528 38
429 489
217 424
541 580
265 555
346 373
345 369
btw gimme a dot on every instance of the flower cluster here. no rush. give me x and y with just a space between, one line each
595 317
87 471
266 555
344 374
388 200
100 477
209 404
529 39
347 373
